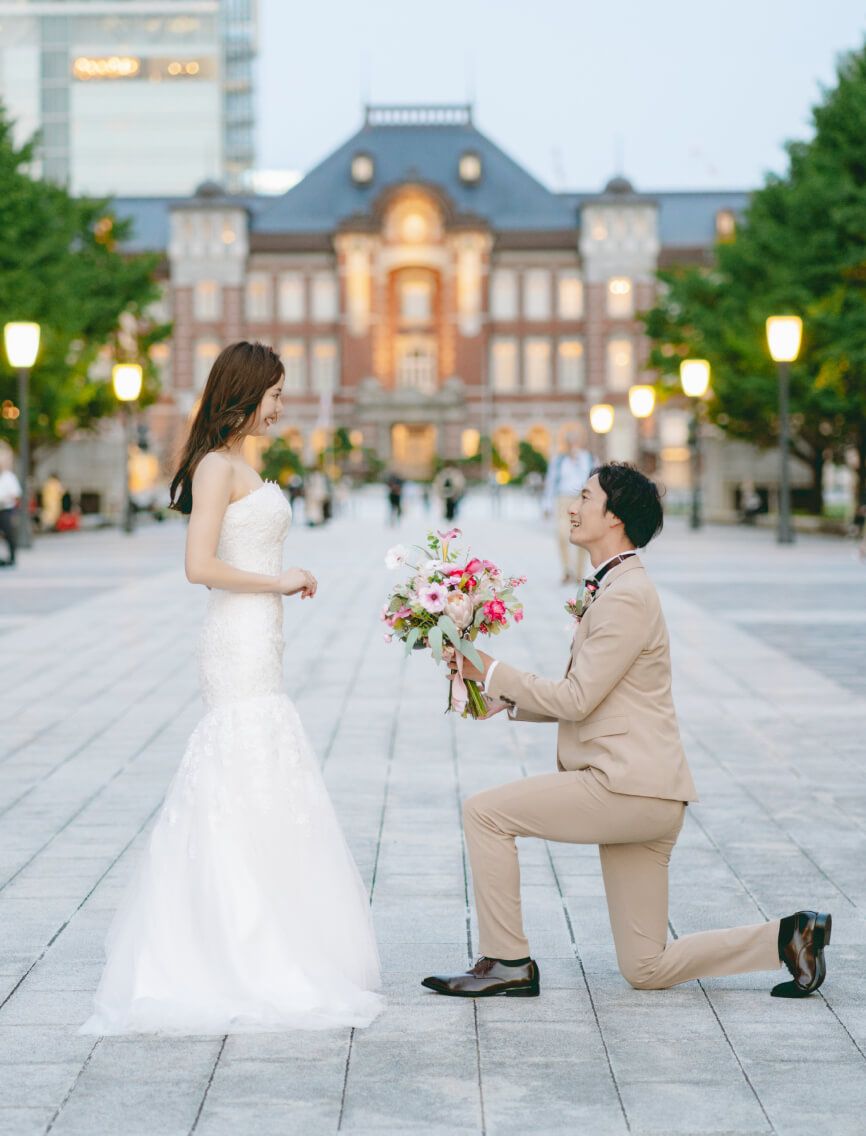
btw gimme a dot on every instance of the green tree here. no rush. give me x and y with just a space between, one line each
280 462
60 265
799 249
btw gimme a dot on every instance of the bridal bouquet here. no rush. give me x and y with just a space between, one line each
450 599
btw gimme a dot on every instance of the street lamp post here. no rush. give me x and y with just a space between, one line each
126 379
601 418
783 338
22 347
695 381
641 402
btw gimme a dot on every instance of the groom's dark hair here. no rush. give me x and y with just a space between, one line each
633 498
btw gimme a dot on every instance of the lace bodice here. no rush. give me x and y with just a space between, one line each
241 645
254 529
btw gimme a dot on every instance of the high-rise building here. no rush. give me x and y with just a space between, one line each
143 97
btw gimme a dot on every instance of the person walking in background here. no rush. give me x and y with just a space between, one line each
10 498
567 474
52 502
449 485
395 498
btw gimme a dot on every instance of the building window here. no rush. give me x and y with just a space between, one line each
324 366
507 443
294 359
536 294
324 297
291 297
503 364
416 364
570 365
416 301
569 295
539 438
536 364
726 225
620 364
503 294
207 301
470 168
620 298
259 303
206 351
363 169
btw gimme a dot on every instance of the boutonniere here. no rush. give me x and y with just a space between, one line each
576 608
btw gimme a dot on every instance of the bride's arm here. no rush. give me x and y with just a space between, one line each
211 495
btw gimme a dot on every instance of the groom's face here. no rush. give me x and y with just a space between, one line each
589 521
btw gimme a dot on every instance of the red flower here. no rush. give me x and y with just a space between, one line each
474 565
495 611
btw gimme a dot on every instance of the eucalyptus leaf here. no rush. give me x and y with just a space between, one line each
411 638
434 638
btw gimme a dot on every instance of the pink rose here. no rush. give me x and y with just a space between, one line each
494 611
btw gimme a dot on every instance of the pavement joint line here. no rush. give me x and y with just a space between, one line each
80 659
788 836
72 1087
458 793
392 738
574 947
66 922
92 738
208 1085
94 796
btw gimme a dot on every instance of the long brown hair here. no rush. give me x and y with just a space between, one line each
241 375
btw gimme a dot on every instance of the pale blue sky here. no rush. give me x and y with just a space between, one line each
693 94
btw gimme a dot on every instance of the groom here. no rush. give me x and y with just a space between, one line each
622 783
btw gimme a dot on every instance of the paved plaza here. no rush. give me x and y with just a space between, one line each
99 693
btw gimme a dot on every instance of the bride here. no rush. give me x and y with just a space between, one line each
247 911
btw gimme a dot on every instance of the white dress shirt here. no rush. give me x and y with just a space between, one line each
10 489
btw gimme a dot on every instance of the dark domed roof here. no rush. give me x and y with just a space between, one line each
210 189
619 184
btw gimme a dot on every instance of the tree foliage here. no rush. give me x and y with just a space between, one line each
800 248
60 265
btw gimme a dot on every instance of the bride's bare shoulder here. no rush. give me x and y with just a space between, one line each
214 475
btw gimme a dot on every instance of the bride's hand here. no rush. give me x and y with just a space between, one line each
297 580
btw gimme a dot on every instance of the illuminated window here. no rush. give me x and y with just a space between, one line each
620 298
414 228
207 301
416 301
536 294
569 288
259 299
503 363
206 351
294 359
503 294
470 168
470 440
570 365
324 297
620 364
363 169
539 438
324 366
536 364
291 297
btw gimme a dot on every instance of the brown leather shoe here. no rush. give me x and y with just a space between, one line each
487 978
803 954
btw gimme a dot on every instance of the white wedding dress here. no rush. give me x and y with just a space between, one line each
247 911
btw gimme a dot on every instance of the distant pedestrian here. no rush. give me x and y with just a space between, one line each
567 474
394 484
10 499
449 485
52 502
750 502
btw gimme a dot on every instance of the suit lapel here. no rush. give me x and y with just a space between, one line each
582 629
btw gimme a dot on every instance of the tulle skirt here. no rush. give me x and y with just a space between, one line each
247 912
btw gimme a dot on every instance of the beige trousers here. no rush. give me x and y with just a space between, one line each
574 560
635 836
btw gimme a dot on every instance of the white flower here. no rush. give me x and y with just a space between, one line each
459 607
395 557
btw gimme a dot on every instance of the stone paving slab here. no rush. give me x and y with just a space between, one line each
97 637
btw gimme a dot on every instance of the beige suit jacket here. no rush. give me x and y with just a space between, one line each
614 705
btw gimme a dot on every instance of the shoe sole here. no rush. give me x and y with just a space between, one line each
532 992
